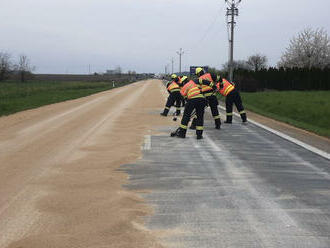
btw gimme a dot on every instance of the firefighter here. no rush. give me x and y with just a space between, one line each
182 98
232 95
207 81
195 101
173 89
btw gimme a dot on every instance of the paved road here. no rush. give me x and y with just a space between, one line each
239 187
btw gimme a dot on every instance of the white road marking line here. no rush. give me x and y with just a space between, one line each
147 143
289 138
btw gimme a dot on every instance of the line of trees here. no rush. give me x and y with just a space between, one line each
22 68
284 79
305 65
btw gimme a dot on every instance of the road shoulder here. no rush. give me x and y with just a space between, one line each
307 137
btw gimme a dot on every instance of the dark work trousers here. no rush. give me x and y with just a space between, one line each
197 104
183 101
174 97
213 103
234 97
178 102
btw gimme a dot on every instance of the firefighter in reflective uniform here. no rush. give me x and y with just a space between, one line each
175 97
232 95
207 81
182 103
195 101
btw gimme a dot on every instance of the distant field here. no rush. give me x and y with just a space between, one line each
15 97
307 110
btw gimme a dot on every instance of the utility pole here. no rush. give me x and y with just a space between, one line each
232 11
172 60
180 53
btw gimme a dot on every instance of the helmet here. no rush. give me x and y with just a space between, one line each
199 70
174 76
184 79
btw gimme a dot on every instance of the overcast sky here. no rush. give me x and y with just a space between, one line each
66 36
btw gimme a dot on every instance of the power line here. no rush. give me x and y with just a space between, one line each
209 28
232 12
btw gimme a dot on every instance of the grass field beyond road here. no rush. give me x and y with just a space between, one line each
15 97
307 110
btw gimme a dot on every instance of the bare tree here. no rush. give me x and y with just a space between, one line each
257 62
118 70
311 48
5 65
238 64
24 67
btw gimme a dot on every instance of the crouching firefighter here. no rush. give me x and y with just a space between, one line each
208 84
175 97
195 101
232 95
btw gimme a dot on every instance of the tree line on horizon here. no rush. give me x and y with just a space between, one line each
22 68
305 65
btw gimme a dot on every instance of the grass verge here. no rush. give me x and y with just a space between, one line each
307 110
15 96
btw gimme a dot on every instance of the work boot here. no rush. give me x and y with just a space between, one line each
229 119
165 112
178 112
181 133
173 134
217 123
199 134
244 119
193 124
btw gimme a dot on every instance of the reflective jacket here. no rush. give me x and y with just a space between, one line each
173 87
180 83
225 87
206 82
191 90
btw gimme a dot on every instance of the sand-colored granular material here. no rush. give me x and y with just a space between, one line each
59 180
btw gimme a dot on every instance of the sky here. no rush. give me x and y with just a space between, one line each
82 36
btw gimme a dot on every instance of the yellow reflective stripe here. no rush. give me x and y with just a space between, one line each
208 94
194 92
198 96
216 117
175 90
242 112
167 108
230 88
183 126
195 89
206 88
229 114
200 128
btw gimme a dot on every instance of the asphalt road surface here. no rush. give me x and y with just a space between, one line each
241 186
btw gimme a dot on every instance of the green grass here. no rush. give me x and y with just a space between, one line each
15 97
307 110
